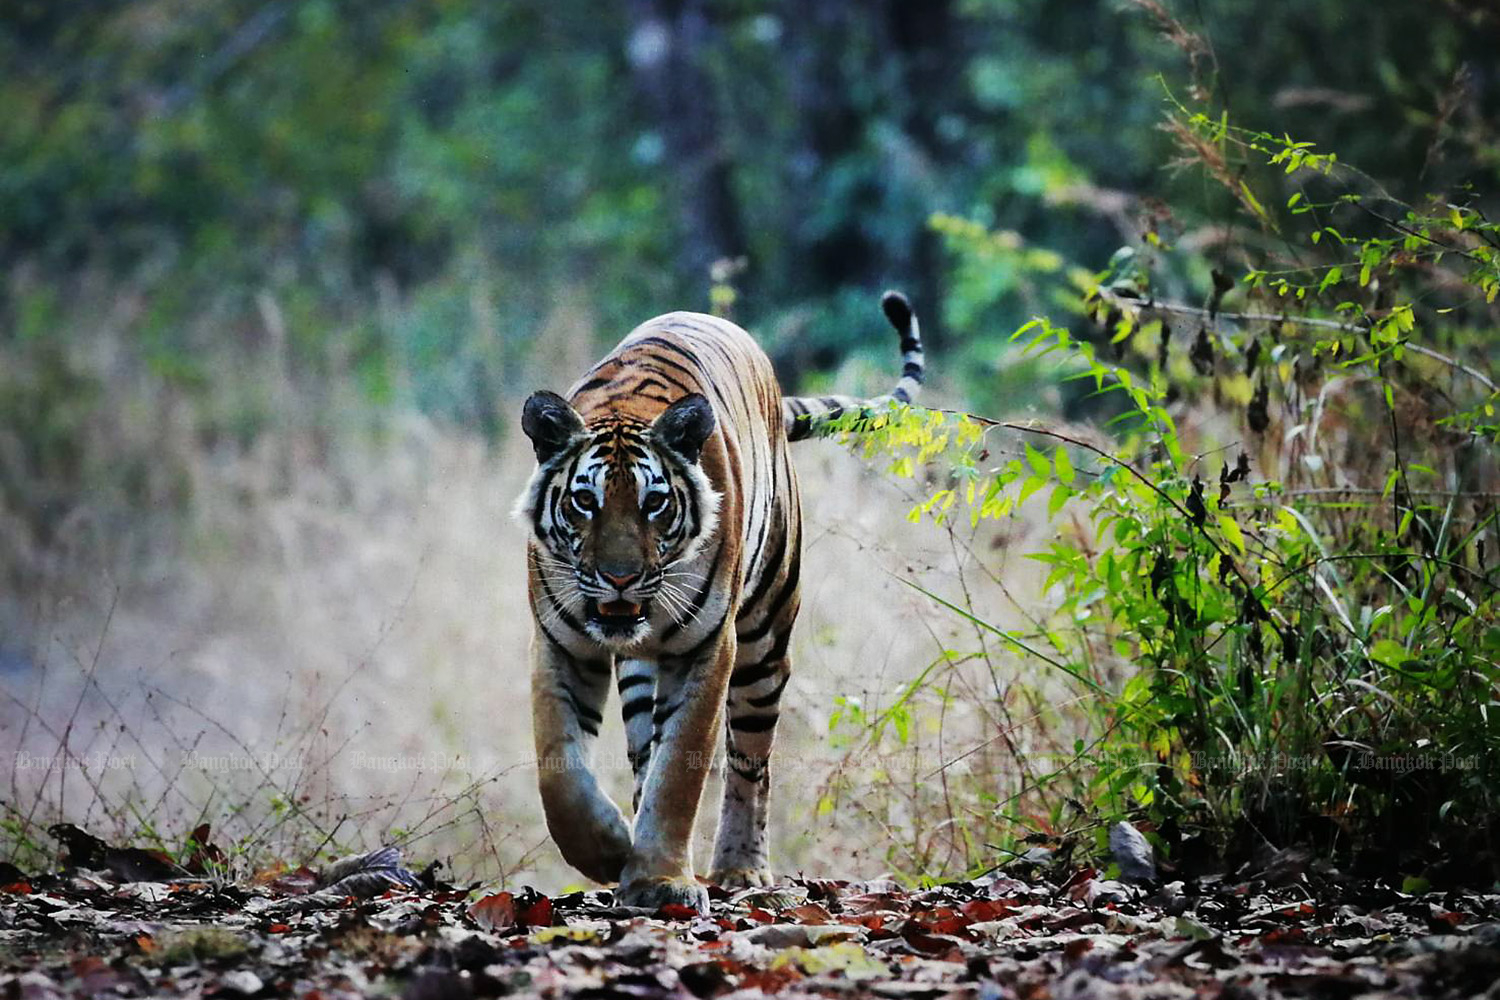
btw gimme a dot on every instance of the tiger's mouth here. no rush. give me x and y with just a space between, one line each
618 617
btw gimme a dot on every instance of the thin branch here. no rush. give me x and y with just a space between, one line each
1373 492
1182 309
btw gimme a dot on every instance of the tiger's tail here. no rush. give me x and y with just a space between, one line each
808 416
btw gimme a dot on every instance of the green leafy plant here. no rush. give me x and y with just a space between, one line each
1267 591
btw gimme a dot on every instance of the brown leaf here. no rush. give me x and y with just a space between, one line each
769 980
536 912
979 910
284 881
808 913
494 913
203 855
872 902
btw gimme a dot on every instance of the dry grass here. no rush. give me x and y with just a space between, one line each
323 613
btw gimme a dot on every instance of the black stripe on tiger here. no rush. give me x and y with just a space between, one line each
773 696
753 723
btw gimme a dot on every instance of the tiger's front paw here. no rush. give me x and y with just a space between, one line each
654 893
743 878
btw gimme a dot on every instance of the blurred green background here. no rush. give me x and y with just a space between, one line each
474 162
275 275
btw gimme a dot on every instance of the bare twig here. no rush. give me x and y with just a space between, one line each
1182 309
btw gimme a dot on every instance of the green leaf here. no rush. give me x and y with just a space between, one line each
1232 534
1389 652
1060 495
1038 462
1064 466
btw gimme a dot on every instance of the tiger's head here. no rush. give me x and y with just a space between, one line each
616 509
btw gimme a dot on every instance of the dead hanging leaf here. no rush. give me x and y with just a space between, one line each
1252 357
1197 511
1161 346
1202 353
1240 472
1222 285
1258 415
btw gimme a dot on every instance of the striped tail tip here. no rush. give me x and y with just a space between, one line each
806 417
897 309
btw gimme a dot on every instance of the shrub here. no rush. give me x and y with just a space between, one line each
1269 591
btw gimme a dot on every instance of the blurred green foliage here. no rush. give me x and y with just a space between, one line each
220 218
198 153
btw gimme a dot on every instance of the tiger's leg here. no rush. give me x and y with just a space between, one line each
567 694
689 700
637 686
740 852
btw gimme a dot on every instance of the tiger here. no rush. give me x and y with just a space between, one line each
664 553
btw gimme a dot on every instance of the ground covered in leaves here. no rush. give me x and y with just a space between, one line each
123 923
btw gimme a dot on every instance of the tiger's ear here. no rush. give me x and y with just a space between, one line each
685 425
550 423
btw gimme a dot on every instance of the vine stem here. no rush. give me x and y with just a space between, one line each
1182 309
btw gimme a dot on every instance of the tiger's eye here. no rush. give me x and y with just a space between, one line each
653 503
584 500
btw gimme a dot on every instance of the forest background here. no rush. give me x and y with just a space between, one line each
277 275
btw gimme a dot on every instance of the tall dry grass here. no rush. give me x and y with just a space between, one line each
329 650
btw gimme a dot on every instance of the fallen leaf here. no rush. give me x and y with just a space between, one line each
494 913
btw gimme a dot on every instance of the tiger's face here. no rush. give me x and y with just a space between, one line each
617 510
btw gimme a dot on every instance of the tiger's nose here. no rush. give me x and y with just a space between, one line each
619 580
